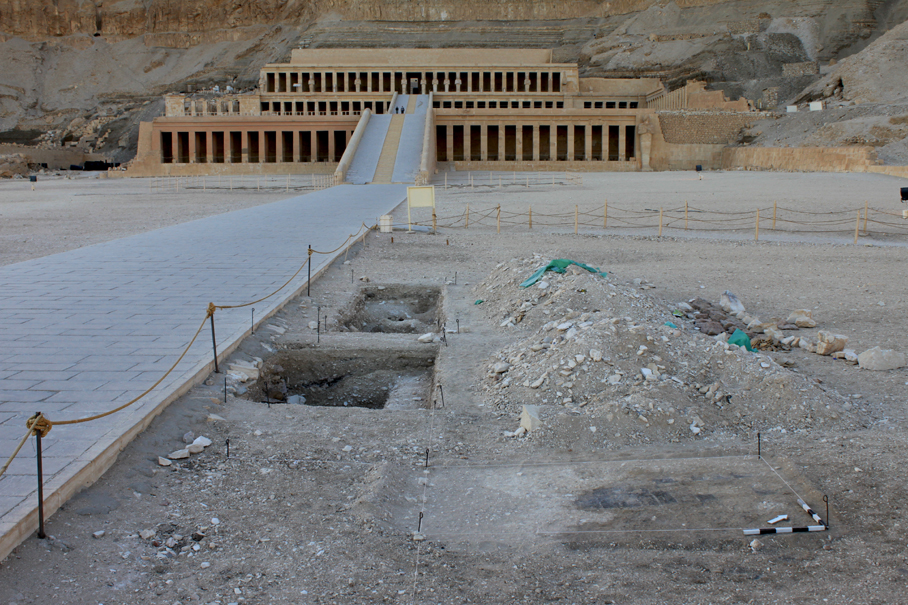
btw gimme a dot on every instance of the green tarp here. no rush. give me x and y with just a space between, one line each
558 266
741 339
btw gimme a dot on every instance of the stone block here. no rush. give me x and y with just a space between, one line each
830 343
529 418
878 359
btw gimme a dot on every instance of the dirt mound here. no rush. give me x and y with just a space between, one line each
613 352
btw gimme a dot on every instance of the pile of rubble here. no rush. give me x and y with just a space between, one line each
612 351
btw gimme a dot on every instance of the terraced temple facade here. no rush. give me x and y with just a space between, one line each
486 109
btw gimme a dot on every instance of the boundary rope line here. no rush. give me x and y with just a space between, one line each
40 423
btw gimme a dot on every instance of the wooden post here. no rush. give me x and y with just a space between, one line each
757 227
576 217
467 226
774 215
685 215
531 217
660 222
866 211
605 216
498 219
857 227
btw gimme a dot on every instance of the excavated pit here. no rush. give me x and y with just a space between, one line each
393 310
395 379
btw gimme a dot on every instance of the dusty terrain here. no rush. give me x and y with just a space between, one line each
319 504
67 212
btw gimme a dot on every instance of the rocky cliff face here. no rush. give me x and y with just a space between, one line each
106 62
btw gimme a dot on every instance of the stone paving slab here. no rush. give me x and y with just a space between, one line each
86 330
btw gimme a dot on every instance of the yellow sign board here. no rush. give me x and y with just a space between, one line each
420 197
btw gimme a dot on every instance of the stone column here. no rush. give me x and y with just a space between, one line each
447 82
588 141
209 147
622 142
484 142
263 149
467 146
469 81
175 147
296 146
244 147
570 143
279 146
553 142
435 84
313 146
331 145
535 142
369 81
192 149
518 142
457 84
449 142
502 155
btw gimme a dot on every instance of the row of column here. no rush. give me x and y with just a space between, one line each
553 141
342 81
237 149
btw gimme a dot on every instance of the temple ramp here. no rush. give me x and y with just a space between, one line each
409 150
385 169
362 169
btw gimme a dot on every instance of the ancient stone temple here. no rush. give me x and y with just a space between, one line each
393 115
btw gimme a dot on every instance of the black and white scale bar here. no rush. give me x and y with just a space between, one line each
810 512
783 530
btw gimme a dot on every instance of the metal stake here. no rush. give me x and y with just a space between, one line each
458 326
309 276
826 500
442 391
427 457
318 321
227 442
455 278
214 345
41 533
225 390
419 525
759 454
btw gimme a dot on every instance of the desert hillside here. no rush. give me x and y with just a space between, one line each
88 71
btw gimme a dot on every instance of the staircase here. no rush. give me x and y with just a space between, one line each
386 160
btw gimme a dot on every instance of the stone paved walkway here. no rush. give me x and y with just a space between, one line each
86 330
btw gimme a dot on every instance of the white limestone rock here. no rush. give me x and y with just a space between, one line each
730 303
427 337
878 359
801 318
179 454
501 367
529 418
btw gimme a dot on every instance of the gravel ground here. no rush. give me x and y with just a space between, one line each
320 504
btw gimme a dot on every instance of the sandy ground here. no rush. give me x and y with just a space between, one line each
66 212
319 504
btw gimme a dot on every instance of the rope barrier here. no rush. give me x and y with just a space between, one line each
41 425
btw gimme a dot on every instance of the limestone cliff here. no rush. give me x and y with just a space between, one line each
70 64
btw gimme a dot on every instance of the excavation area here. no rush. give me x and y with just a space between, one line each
599 500
393 310
590 438
392 379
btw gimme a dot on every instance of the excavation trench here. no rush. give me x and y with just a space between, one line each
397 379
393 309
